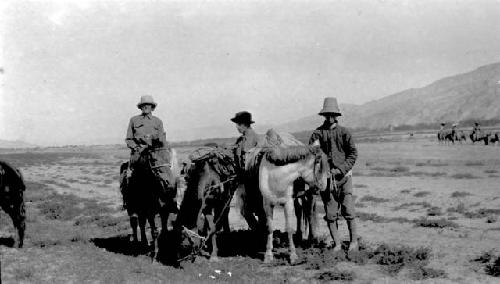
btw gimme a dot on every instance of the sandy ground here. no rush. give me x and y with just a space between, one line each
417 171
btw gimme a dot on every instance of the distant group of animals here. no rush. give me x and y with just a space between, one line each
447 136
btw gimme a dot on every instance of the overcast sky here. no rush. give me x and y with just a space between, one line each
72 72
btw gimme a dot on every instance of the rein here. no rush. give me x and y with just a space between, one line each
191 234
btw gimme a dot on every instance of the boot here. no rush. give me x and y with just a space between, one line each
334 232
353 235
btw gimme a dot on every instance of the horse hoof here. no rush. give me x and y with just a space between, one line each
293 259
214 259
268 259
336 248
353 246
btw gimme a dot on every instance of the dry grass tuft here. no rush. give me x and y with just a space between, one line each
360 185
464 176
400 169
434 211
370 198
457 194
411 204
491 263
474 163
336 275
422 193
439 223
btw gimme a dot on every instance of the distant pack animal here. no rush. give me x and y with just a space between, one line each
480 136
444 136
146 194
278 169
12 189
460 136
495 138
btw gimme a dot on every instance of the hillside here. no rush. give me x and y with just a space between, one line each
15 144
472 95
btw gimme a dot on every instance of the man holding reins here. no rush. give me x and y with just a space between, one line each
338 144
145 132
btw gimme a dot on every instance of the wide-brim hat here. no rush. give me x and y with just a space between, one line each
146 100
330 107
243 117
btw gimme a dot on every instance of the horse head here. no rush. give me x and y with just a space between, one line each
321 169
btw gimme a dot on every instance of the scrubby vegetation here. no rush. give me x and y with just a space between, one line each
491 263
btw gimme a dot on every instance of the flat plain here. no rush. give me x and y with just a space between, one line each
427 213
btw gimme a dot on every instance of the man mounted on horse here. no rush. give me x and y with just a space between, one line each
147 180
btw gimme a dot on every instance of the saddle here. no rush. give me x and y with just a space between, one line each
220 159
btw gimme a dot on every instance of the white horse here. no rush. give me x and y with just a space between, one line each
278 169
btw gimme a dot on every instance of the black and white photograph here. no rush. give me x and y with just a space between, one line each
249 141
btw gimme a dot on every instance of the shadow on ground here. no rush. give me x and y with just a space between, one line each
121 244
8 242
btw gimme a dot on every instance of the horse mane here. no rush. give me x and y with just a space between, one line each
281 156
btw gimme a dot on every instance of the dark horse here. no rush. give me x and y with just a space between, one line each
150 189
11 197
478 136
211 183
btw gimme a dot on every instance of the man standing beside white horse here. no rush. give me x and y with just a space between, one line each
338 144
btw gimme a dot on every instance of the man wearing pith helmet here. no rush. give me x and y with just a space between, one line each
337 143
144 132
144 128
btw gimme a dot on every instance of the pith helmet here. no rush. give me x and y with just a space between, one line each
146 100
330 106
243 117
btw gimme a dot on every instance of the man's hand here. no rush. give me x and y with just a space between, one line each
139 149
335 172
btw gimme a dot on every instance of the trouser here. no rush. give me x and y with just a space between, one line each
337 200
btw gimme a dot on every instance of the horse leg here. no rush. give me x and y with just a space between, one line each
268 208
312 219
142 227
154 233
288 215
213 233
298 213
133 225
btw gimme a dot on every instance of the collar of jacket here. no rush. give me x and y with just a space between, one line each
327 126
248 130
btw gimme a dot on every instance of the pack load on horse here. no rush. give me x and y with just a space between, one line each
211 182
278 168
148 181
12 189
